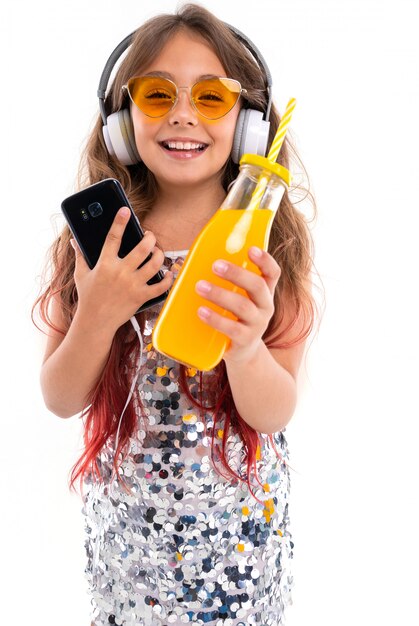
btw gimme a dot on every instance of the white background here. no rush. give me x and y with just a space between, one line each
352 66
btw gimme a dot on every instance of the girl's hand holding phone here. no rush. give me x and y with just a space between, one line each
253 313
111 292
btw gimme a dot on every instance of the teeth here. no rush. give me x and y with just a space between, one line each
180 145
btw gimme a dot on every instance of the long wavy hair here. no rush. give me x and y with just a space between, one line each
290 244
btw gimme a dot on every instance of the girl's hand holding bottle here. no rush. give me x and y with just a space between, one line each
111 292
253 313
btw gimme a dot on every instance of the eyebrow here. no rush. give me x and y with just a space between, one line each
171 77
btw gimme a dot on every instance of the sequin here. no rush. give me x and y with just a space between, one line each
187 547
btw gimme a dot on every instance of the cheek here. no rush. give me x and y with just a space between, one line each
226 131
136 124
143 126
232 124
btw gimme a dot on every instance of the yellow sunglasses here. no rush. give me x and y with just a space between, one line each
211 97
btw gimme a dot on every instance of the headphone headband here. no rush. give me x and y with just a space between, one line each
107 71
260 61
125 43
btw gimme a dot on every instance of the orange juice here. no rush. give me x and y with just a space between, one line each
179 333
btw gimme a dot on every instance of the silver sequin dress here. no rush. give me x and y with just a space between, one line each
188 547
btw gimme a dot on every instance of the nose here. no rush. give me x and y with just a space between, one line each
183 112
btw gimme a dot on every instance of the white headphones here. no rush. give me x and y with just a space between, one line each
252 127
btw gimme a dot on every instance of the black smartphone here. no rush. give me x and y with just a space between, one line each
90 213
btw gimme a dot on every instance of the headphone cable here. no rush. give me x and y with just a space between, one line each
134 381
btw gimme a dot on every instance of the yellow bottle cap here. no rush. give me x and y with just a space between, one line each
276 168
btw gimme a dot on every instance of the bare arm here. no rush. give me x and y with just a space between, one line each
263 381
264 390
108 296
73 364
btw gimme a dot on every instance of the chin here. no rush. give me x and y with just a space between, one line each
186 179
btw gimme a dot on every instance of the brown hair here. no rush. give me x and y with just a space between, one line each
290 239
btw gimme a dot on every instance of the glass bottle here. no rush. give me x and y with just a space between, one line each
243 220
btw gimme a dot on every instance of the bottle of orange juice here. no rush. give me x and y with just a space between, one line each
243 220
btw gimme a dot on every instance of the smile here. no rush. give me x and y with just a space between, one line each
184 146
183 150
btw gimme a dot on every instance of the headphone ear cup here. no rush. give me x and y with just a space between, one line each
235 151
251 134
119 137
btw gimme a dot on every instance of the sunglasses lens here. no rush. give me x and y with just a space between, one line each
153 95
212 97
215 97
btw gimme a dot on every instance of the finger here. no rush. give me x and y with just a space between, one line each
233 329
141 251
269 268
158 288
113 238
259 288
81 264
153 265
240 305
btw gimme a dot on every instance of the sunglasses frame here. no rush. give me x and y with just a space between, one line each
125 88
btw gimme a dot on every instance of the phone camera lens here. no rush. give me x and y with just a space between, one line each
95 209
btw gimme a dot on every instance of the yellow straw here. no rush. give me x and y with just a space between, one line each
280 133
258 192
273 154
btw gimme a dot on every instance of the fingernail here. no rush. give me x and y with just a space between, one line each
203 312
256 251
220 267
203 286
124 211
73 244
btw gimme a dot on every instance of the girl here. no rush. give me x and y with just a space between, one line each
192 524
